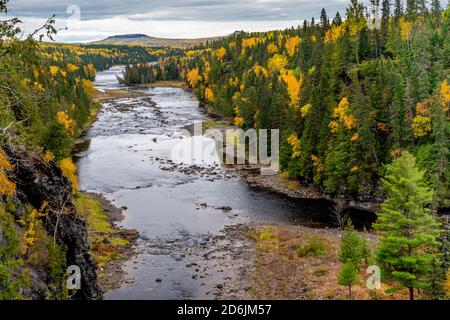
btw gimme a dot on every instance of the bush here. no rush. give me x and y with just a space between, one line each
320 272
315 247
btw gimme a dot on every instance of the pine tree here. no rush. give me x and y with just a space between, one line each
353 247
324 22
408 232
385 15
337 21
441 146
348 276
411 9
436 10
398 11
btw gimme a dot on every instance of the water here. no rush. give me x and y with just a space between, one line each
129 161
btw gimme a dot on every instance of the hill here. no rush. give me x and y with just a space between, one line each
145 40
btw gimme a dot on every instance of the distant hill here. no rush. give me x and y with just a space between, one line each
145 40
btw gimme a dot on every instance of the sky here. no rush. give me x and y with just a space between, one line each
89 20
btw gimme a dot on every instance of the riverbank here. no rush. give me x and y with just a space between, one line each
110 245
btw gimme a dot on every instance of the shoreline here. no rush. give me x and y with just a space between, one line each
113 248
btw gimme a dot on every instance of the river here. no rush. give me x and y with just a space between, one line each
177 212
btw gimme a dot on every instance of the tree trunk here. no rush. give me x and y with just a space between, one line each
411 293
350 292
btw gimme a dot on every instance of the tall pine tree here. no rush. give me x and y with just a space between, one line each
408 232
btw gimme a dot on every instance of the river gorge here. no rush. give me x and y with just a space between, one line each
192 220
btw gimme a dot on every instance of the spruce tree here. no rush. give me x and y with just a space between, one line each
398 10
324 22
411 9
353 247
385 15
436 10
337 21
408 232
348 276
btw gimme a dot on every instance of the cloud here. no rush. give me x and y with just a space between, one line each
168 18
200 10
91 30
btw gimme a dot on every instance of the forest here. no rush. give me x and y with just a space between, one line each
349 94
362 102
103 57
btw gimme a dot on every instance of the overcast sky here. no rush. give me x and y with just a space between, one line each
167 18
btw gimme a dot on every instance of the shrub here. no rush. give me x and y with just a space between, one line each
315 247
321 271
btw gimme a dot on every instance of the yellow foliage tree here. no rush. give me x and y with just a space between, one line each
294 142
63 119
71 67
305 110
192 77
69 170
355 137
239 121
272 48
333 126
342 113
277 62
53 70
90 70
249 42
220 53
31 223
445 94
88 88
421 126
209 94
7 188
48 157
293 86
257 69
333 34
405 29
291 45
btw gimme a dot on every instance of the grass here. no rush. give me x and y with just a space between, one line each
314 247
105 244
320 271
166 83
112 94
212 124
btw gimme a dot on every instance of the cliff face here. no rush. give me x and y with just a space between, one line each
37 183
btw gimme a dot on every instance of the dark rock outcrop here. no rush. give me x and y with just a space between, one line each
37 183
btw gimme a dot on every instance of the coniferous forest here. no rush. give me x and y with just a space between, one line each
349 93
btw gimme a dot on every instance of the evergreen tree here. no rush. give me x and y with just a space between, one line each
353 247
436 10
337 21
385 15
411 9
324 22
398 11
407 230
348 276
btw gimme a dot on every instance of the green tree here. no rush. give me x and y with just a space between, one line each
353 246
408 232
348 276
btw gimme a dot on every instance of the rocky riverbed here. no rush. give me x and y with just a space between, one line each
196 218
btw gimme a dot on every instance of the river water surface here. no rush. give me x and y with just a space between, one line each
129 161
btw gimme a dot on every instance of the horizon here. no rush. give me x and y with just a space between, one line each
174 19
